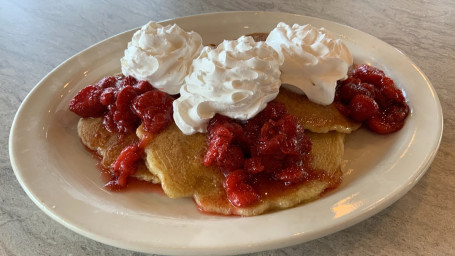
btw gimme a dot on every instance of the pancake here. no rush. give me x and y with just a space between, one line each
315 117
108 145
177 161
327 151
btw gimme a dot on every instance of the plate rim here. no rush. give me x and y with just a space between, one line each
362 215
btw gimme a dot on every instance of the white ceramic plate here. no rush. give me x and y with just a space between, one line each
61 177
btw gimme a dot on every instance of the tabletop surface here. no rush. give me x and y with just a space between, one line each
36 36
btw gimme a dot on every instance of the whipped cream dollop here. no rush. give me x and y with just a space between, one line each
313 60
161 55
236 79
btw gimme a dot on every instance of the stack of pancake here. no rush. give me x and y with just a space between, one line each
176 160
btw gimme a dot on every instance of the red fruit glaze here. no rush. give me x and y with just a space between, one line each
107 82
238 191
253 165
87 102
363 107
291 174
154 109
389 120
369 96
368 74
124 120
125 165
233 159
108 96
218 146
124 103
271 148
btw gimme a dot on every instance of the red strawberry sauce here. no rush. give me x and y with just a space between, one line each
269 152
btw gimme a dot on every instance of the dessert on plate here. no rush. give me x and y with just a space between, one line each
244 127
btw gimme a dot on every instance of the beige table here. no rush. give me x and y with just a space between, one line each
36 36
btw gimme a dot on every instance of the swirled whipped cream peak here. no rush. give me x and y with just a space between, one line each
236 79
161 55
313 60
